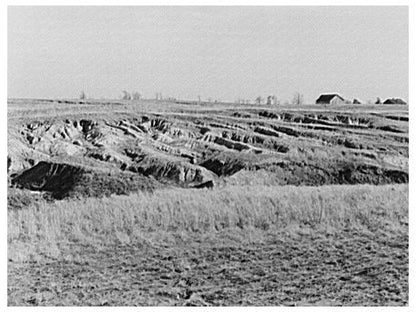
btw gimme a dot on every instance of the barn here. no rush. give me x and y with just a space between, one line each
394 101
330 99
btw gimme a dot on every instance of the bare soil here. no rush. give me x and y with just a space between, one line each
128 148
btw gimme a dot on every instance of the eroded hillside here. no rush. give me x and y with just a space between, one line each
66 148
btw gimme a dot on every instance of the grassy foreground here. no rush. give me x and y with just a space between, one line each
43 228
328 245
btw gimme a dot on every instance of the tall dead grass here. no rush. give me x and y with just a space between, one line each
50 227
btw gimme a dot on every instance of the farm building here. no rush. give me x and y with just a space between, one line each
394 101
330 99
356 101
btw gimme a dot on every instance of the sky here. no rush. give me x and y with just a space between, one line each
221 53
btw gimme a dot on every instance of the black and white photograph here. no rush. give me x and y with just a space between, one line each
207 156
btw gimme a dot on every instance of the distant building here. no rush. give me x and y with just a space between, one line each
394 101
356 101
332 99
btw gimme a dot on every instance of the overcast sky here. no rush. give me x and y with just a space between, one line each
217 52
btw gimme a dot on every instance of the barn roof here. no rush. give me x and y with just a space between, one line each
326 98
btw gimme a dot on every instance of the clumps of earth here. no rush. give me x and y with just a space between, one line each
102 153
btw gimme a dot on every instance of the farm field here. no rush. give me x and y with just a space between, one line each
161 203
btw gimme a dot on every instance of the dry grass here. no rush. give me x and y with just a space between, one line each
329 245
44 229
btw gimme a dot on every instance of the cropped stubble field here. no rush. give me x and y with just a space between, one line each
309 207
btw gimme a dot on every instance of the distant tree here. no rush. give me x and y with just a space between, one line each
82 95
259 100
241 101
158 96
126 95
378 101
297 99
136 96
276 101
